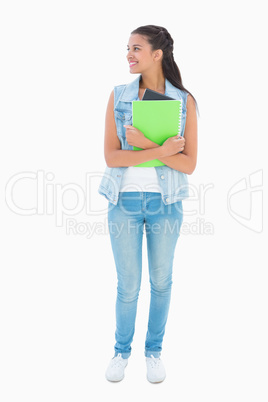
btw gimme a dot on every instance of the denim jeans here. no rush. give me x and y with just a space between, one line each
126 221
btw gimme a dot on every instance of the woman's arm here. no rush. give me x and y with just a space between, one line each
116 157
186 160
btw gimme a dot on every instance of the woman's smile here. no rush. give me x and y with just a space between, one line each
132 63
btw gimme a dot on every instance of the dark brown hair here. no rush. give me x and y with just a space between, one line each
160 38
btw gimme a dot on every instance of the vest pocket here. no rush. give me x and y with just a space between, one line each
122 118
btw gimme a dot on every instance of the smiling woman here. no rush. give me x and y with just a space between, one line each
146 196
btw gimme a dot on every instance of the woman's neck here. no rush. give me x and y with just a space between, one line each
153 82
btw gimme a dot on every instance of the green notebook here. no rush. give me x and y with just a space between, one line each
157 120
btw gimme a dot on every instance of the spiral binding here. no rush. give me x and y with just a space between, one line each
179 122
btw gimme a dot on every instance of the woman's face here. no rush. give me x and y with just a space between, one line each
139 54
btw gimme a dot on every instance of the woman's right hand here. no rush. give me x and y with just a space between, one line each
173 145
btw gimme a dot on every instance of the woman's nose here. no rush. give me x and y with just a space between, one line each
129 55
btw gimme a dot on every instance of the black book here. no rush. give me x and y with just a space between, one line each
149 94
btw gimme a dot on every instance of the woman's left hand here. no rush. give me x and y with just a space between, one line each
135 137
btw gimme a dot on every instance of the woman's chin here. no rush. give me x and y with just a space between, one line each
134 72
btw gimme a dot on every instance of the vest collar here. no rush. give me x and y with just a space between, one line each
132 90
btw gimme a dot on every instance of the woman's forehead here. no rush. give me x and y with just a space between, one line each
137 39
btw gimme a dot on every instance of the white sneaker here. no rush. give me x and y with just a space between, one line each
155 369
116 368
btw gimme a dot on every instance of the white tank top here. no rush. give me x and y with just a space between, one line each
140 179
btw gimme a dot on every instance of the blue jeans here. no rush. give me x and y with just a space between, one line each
126 222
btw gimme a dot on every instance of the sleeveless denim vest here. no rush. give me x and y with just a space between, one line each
173 183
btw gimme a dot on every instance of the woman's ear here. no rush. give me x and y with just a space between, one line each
158 54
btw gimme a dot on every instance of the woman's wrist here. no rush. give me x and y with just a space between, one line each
150 144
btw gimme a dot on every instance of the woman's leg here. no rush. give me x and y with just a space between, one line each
162 223
126 232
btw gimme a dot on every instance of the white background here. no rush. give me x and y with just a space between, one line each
59 62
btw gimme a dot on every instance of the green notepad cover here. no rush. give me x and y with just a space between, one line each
157 120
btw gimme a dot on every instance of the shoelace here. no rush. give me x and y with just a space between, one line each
154 361
117 361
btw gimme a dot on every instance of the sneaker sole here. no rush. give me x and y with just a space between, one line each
155 382
115 380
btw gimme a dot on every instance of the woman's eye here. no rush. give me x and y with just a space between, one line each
135 48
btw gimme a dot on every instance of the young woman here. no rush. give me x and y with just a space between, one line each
146 197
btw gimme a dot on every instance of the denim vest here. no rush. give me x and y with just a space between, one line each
173 184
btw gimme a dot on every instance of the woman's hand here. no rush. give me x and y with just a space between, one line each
173 145
135 137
